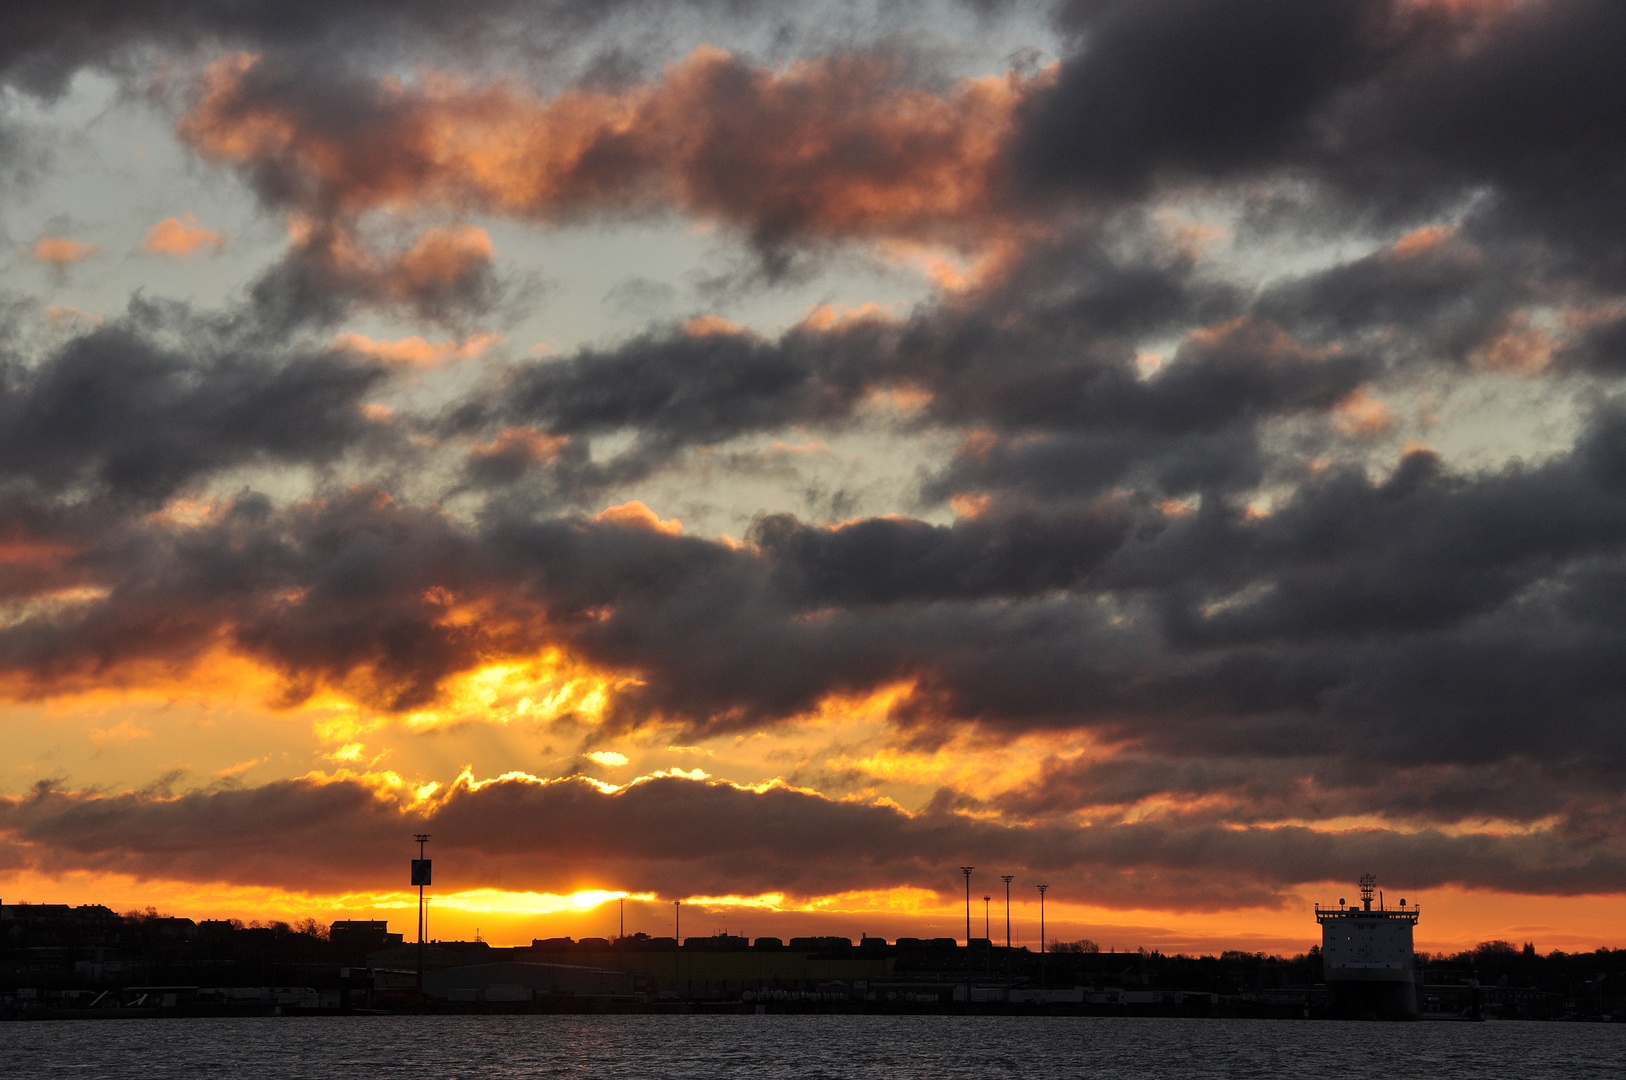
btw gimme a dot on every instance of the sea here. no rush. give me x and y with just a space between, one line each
768 1047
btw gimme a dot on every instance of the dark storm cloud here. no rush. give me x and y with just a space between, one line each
1399 110
446 276
1428 300
1399 638
1532 110
1211 631
829 149
1011 552
681 388
1204 89
1056 371
1245 789
681 837
47 43
1420 550
143 405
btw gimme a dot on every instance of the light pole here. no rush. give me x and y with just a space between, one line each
677 928
988 935
1006 878
1043 977
623 935
966 870
420 877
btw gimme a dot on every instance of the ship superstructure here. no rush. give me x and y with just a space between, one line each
1367 956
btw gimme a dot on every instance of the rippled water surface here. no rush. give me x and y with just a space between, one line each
760 1047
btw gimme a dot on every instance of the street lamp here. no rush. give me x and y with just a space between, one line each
966 870
988 935
1042 973
1006 878
420 878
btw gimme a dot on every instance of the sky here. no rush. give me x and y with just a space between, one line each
770 456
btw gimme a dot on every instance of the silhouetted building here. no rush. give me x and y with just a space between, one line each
358 937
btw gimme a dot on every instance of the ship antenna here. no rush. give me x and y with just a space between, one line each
1369 883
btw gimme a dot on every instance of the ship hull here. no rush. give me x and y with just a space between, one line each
1372 994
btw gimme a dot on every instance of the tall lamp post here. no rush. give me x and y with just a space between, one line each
1043 974
623 936
420 878
966 870
677 928
1006 878
988 935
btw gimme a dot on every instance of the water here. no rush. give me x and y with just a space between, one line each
770 1047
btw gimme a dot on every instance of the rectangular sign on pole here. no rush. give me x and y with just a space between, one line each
420 871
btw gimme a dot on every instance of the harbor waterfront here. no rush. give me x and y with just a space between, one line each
62 963
888 509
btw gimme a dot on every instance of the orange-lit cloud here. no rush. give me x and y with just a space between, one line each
1421 241
1518 346
636 515
67 315
415 351
180 237
60 252
1362 414
445 267
524 444
122 732
707 325
769 846
833 147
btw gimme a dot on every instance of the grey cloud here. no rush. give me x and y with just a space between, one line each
1174 89
316 285
679 838
1427 644
48 42
1008 552
144 404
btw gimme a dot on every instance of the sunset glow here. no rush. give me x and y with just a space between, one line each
759 464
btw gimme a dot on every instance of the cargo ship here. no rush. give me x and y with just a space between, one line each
1367 956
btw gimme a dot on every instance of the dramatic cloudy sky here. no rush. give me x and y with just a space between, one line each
770 456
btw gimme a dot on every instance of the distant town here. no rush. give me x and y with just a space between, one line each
57 961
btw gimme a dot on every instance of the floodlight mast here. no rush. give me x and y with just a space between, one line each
421 838
1043 976
988 934
966 870
1007 878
